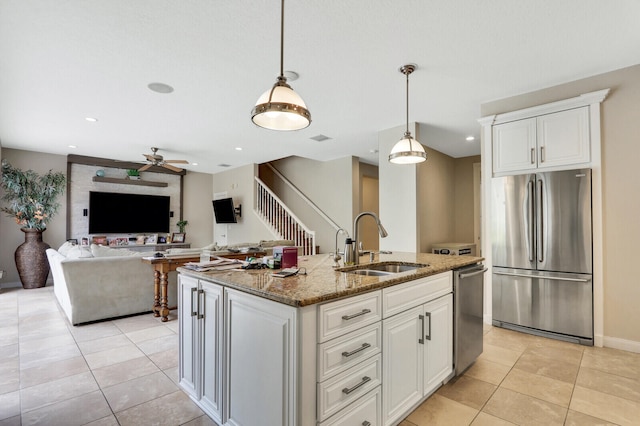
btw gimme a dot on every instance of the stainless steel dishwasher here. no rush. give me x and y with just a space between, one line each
468 295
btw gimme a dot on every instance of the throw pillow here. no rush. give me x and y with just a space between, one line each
78 252
64 248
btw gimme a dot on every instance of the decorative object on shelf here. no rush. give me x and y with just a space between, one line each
122 241
133 174
181 225
162 239
178 237
151 239
84 242
32 203
73 241
407 150
99 240
100 173
140 239
280 108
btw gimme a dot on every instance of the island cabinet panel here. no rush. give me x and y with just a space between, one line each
261 361
200 338
438 342
365 411
340 317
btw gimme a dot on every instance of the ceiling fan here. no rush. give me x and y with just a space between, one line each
156 159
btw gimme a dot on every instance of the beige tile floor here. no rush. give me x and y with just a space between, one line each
124 372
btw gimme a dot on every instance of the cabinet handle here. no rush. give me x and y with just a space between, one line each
359 314
428 336
200 314
364 381
355 351
533 156
366 423
193 290
542 154
421 319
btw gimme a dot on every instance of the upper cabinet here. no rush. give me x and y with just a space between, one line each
552 140
561 135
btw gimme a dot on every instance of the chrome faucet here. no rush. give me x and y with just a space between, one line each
336 254
383 233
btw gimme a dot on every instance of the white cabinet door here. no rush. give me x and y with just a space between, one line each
261 366
438 357
188 370
563 138
514 146
211 338
403 363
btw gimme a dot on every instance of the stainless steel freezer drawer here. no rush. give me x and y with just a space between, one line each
555 302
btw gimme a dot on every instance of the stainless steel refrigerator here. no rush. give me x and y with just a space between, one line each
542 254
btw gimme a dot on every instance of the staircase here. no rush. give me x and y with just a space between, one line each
281 220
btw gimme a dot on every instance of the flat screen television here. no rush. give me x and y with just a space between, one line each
113 213
224 211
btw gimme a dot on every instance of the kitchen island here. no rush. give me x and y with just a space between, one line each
324 347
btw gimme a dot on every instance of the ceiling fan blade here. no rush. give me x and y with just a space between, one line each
143 168
177 161
148 157
170 167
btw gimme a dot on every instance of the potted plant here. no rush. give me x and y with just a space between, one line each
32 203
181 224
133 174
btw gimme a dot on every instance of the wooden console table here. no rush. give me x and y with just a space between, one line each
163 265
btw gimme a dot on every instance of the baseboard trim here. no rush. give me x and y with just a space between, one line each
622 344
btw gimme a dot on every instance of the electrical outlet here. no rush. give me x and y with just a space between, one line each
1 273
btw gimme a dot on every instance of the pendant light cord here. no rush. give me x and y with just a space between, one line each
282 39
407 74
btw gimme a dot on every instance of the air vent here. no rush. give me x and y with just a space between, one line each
320 138
224 165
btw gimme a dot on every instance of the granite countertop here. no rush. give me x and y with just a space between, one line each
322 282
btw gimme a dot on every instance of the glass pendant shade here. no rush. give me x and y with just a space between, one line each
280 108
407 151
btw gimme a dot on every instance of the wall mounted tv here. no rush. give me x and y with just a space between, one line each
113 213
224 211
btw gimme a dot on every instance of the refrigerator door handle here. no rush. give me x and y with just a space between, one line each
540 239
578 280
531 215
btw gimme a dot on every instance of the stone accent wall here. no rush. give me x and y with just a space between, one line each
81 179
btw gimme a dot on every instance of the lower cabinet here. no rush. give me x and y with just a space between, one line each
417 355
256 338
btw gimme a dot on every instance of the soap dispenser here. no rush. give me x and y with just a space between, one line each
348 252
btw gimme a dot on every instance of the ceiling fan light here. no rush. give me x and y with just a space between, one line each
280 108
407 151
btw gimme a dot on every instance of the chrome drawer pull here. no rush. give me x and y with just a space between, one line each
355 351
193 290
359 314
421 319
200 314
366 423
365 379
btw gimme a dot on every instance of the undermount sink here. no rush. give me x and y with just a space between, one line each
382 269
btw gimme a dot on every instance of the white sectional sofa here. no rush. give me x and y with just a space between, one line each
103 283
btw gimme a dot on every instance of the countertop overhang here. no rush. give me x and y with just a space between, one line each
322 282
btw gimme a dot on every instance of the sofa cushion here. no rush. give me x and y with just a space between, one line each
78 252
64 248
101 251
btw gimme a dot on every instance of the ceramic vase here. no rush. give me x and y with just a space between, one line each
31 259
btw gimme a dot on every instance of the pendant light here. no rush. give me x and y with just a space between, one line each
407 150
280 108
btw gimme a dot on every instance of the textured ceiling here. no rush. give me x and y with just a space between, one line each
62 61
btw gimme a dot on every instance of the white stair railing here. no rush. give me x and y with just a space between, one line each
282 220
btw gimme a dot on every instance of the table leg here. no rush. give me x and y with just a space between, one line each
164 287
156 293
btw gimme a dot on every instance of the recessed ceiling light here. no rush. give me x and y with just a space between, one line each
72 146
470 138
91 119
238 148
373 151
160 87
194 164
320 138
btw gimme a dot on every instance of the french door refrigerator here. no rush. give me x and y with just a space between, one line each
542 254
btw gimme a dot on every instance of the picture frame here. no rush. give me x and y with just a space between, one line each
84 242
73 241
122 241
162 239
140 239
178 237
152 239
112 242
100 240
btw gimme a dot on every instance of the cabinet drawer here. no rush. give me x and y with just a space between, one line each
367 410
401 297
340 317
339 354
343 389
